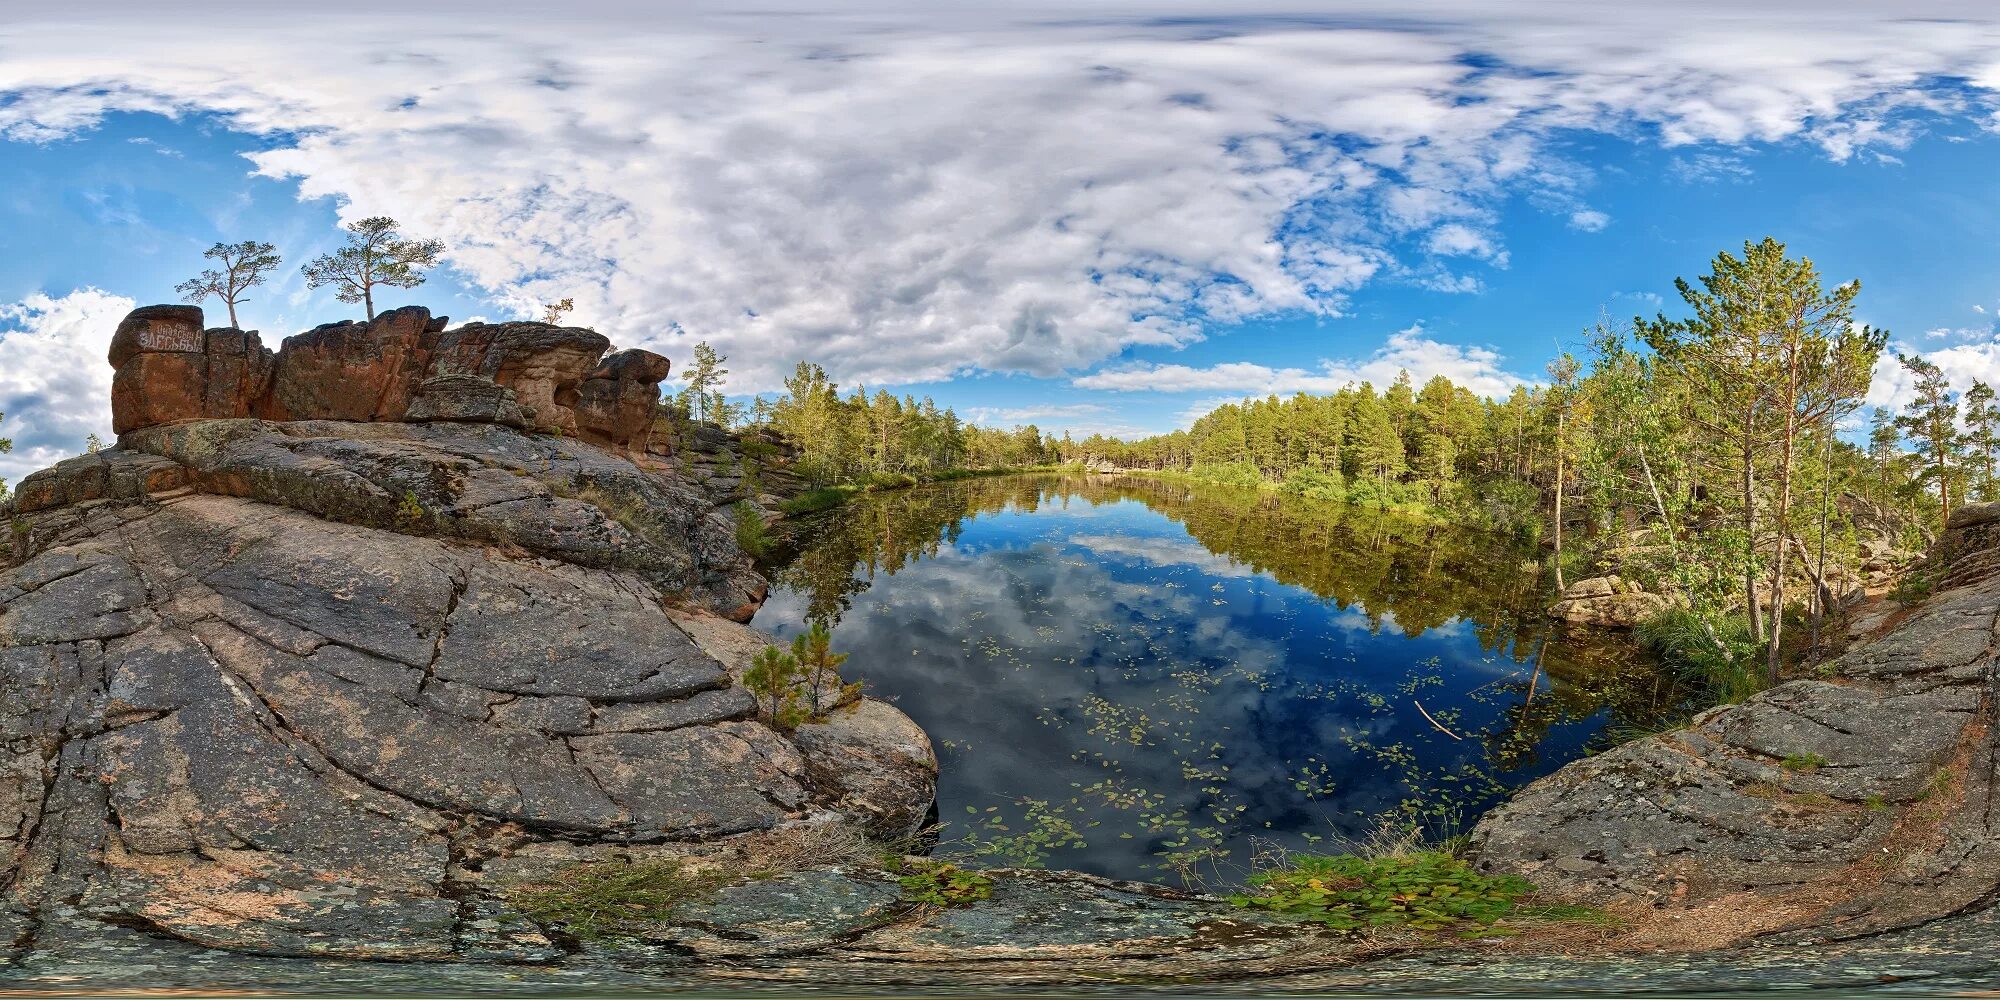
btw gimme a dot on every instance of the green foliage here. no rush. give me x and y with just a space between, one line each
244 266
940 883
800 686
1315 483
1802 762
751 534
410 512
773 679
819 671
703 396
613 898
814 501
1228 474
1718 657
375 254
1426 891
6 445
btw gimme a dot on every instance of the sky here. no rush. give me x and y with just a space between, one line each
1098 216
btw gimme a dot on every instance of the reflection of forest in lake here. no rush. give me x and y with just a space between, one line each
1129 676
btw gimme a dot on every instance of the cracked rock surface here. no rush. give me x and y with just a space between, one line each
267 687
1850 805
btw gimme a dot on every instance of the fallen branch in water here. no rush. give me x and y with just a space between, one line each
1434 722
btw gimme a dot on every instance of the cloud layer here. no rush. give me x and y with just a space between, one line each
55 385
1476 368
907 193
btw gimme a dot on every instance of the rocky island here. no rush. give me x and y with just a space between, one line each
344 644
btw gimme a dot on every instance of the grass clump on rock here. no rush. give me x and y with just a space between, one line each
1422 890
612 898
940 883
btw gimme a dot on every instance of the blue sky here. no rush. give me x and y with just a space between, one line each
1095 223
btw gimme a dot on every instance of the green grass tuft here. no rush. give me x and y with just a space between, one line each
1425 890
613 898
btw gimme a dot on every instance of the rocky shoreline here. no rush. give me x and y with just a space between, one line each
344 641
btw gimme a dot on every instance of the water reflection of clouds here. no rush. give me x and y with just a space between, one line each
1159 551
1046 659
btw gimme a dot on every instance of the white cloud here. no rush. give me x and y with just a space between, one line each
1589 220
1002 416
906 192
1895 387
1981 310
1708 168
1476 368
55 384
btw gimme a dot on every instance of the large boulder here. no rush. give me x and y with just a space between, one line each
619 402
1607 602
168 368
403 365
545 365
353 371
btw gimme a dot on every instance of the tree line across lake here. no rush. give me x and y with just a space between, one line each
1717 443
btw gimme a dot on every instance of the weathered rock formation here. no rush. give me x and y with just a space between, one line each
1607 602
556 379
1842 806
333 651
274 685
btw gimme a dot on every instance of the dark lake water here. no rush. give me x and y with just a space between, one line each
1148 679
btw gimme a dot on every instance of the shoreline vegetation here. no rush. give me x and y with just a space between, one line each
1709 462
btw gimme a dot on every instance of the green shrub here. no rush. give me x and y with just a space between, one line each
1241 474
1802 762
940 883
1718 658
887 481
751 535
819 670
773 679
1510 506
410 513
1315 484
825 498
801 686
1425 890
613 897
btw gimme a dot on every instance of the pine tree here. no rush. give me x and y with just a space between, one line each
1982 423
375 254
245 265
1931 422
704 377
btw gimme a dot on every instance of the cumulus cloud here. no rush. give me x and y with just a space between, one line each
55 385
1589 220
1479 369
1895 387
908 192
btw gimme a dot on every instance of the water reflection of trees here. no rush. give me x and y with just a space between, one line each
1418 575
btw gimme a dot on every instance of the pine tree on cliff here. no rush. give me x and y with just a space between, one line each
704 376
1931 421
375 254
245 265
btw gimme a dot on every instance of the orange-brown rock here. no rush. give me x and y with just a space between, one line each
617 403
541 377
169 368
354 371
544 365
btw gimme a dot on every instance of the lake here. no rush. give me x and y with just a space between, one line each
1157 680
